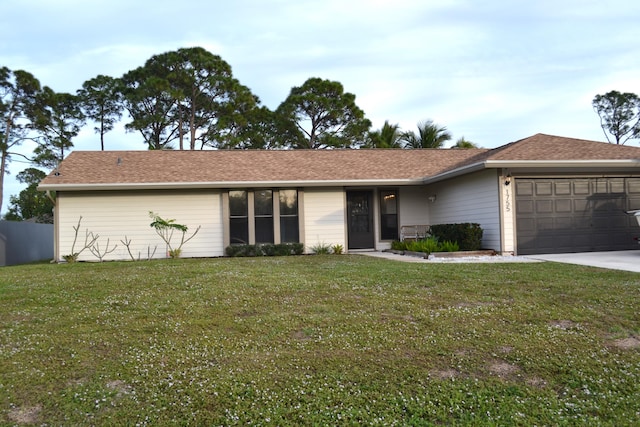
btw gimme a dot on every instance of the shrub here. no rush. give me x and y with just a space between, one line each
397 245
265 249
448 246
467 235
337 249
321 249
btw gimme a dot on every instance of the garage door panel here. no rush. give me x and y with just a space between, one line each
524 207
562 188
563 223
581 187
563 205
633 185
544 188
634 203
524 188
544 206
559 215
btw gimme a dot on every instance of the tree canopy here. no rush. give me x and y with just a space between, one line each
188 96
30 204
58 118
18 92
429 135
619 115
100 100
389 136
319 114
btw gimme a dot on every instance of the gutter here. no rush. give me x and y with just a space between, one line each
533 164
228 184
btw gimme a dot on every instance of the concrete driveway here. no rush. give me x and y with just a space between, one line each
615 260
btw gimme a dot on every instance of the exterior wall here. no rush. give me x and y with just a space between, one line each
470 198
116 215
324 212
414 206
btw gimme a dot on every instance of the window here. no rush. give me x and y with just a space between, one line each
238 217
388 215
263 208
263 216
289 232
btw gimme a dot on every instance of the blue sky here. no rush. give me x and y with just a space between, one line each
491 71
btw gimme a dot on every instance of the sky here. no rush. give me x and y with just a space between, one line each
491 71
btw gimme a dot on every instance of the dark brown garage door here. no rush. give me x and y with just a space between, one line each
576 215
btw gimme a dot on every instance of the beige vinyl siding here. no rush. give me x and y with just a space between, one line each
414 206
469 198
324 217
116 215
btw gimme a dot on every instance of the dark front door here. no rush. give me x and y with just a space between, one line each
360 219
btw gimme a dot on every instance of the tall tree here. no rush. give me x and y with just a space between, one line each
148 100
18 90
429 135
319 114
261 130
188 96
58 119
100 100
389 136
619 115
31 204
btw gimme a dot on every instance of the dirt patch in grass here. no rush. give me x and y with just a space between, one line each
536 382
301 335
626 343
120 387
563 324
25 415
445 374
503 369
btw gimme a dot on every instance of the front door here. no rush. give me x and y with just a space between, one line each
360 219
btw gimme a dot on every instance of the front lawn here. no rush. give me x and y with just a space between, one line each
318 340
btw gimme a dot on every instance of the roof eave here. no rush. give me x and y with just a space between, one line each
573 165
227 184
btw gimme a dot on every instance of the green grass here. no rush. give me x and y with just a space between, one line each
312 340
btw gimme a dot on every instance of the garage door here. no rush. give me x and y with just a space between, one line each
576 215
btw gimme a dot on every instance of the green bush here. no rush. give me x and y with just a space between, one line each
321 249
428 245
265 249
448 246
467 235
397 245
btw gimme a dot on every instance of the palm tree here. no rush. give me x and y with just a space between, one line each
463 143
429 135
387 137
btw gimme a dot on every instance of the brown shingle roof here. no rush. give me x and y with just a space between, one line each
253 167
549 147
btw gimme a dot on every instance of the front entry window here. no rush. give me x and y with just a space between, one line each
263 200
289 228
389 215
239 217
256 216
